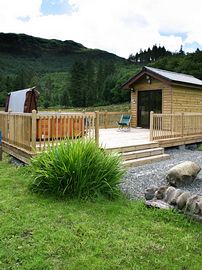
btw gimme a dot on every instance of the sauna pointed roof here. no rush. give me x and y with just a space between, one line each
166 76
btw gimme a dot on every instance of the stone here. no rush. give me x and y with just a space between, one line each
158 204
150 192
169 194
171 198
160 193
182 200
198 208
191 204
183 173
175 195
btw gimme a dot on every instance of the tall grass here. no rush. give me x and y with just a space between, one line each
77 168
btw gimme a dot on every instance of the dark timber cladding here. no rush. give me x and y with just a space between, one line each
162 91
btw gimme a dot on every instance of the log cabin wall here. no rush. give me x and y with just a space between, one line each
186 99
143 85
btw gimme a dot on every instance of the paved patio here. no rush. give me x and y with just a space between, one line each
112 137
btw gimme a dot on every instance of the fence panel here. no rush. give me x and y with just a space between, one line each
110 119
16 129
51 128
176 125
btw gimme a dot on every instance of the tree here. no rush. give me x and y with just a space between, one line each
48 92
91 94
181 52
100 83
20 80
78 84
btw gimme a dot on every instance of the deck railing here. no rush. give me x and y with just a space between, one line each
37 131
24 134
110 119
176 125
16 129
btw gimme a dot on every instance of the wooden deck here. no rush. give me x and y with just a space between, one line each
24 135
114 138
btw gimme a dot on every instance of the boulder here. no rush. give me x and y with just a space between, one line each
198 208
191 204
182 200
160 193
150 192
183 173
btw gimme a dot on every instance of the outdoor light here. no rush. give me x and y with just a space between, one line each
132 89
148 78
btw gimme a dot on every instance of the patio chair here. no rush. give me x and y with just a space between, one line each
124 123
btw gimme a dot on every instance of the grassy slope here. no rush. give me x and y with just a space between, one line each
123 107
37 232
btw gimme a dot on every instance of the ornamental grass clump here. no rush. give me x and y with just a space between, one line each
78 169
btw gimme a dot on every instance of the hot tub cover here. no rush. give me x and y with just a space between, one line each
22 100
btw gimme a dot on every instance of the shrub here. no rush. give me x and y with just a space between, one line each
77 168
200 147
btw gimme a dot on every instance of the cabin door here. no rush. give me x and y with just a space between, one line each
148 101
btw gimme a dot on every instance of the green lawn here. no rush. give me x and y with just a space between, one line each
38 232
123 107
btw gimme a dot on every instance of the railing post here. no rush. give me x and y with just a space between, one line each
83 123
97 128
34 129
105 119
182 123
151 125
8 126
0 145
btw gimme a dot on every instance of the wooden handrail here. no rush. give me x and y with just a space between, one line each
175 125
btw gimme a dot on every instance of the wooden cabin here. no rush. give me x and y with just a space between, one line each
162 91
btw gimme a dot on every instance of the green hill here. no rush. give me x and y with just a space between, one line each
19 51
26 61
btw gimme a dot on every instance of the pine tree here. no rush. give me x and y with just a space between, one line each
91 94
100 83
181 52
78 84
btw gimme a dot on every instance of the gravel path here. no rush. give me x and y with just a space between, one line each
137 179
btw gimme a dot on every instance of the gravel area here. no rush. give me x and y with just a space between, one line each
137 179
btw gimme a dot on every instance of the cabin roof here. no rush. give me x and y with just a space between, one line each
169 76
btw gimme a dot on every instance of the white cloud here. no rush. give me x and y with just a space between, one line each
122 27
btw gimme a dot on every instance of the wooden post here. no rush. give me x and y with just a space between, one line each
97 128
0 145
83 123
34 129
8 126
151 125
105 119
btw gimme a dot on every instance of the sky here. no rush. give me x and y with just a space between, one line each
117 26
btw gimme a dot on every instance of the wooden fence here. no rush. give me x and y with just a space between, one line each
110 119
34 132
25 134
176 125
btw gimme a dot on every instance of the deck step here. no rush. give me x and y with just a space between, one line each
131 148
143 153
145 160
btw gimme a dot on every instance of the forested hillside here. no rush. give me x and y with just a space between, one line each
65 72
159 57
68 74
